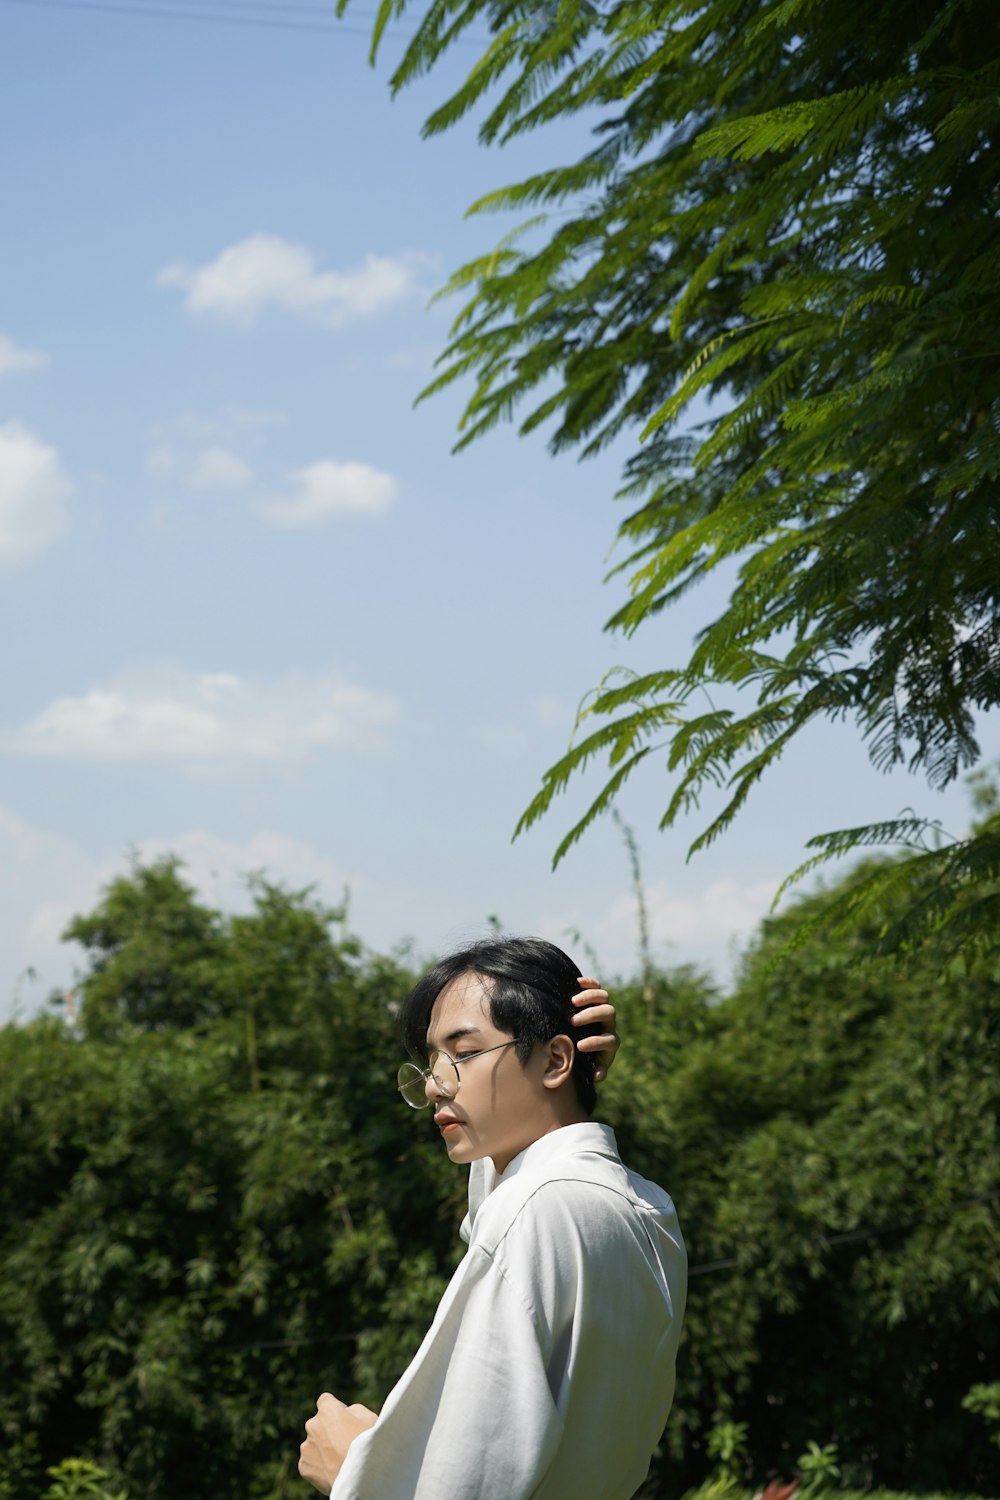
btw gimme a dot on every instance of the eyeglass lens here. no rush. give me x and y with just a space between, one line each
412 1080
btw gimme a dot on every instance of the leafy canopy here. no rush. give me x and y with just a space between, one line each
213 1204
790 210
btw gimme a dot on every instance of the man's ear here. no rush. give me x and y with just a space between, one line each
560 1052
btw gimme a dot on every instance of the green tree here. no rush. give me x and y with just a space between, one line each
789 208
830 1136
205 1223
154 954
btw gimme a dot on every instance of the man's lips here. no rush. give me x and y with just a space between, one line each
445 1123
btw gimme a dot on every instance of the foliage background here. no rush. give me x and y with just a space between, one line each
789 210
212 1205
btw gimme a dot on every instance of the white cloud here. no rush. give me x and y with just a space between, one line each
206 717
721 909
45 880
422 358
13 357
266 270
217 867
228 424
552 712
690 925
219 469
161 461
245 416
327 490
33 487
36 867
724 907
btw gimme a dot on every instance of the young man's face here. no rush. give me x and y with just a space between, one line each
500 1107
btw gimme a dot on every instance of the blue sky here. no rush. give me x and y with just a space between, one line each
255 612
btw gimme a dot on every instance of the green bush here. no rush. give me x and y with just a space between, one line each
76 1479
204 1224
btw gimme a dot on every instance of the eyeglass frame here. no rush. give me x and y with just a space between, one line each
428 1072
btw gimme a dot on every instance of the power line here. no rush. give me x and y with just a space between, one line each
707 1269
108 7
271 7
270 17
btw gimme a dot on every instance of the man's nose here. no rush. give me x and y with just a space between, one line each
432 1088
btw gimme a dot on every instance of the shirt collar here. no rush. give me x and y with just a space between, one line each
587 1136
568 1140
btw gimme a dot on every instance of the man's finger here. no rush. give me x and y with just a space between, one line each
591 1016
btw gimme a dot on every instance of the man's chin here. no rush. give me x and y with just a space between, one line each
460 1148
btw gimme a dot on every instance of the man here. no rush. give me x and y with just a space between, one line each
549 1368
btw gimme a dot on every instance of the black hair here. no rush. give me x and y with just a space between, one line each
530 997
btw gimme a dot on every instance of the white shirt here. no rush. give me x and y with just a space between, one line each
548 1370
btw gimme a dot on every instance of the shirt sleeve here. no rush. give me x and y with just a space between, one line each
473 1417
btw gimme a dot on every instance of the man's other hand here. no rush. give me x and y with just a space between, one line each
593 1005
329 1434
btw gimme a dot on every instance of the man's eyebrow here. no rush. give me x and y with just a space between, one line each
456 1035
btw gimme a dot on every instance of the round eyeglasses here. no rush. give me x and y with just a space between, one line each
412 1081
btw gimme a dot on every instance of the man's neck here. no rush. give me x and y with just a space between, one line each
557 1121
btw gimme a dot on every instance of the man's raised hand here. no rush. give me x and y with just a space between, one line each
594 1006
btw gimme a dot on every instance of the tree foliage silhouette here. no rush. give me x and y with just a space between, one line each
791 208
